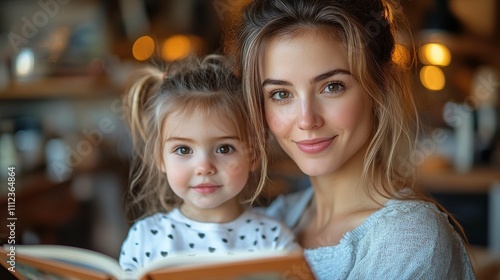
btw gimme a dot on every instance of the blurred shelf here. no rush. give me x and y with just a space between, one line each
33 185
478 180
78 87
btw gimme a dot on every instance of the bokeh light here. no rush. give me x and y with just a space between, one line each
176 47
434 54
432 78
143 48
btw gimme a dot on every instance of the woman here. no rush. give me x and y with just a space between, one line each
319 77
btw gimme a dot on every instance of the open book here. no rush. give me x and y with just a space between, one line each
63 262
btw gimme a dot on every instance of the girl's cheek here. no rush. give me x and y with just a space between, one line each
234 168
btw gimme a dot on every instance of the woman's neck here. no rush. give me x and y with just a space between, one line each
343 193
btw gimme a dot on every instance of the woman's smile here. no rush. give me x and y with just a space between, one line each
314 146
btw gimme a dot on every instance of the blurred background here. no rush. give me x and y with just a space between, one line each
63 65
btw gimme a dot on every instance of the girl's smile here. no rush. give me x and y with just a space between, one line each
206 188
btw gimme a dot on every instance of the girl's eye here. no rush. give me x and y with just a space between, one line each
334 87
280 95
183 150
225 149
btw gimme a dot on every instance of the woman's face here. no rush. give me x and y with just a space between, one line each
315 108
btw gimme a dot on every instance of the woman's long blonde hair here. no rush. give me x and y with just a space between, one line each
368 30
156 92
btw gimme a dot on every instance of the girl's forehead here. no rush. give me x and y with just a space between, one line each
199 119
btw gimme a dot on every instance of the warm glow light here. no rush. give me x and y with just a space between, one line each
401 55
176 47
434 54
143 48
432 77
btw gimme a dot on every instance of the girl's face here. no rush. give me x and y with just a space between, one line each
204 160
314 107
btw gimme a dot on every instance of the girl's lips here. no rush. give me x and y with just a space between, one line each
206 188
314 146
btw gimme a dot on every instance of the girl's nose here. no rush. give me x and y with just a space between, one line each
310 115
205 166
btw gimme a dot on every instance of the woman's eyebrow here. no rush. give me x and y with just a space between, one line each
276 82
314 80
328 74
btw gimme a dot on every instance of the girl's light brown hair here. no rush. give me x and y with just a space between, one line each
205 85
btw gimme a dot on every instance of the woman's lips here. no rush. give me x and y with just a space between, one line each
314 146
206 188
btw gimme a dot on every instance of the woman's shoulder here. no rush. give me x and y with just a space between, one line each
412 210
414 223
417 230
415 213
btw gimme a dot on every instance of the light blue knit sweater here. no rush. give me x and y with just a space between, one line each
403 240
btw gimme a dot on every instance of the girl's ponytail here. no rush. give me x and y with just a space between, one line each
137 102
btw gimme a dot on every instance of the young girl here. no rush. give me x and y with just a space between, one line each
319 75
194 166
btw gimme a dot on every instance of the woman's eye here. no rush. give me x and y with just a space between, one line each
280 95
182 150
225 149
334 87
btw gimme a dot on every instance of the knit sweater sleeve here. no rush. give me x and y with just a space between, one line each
412 243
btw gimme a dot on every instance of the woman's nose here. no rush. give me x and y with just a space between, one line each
310 115
205 166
